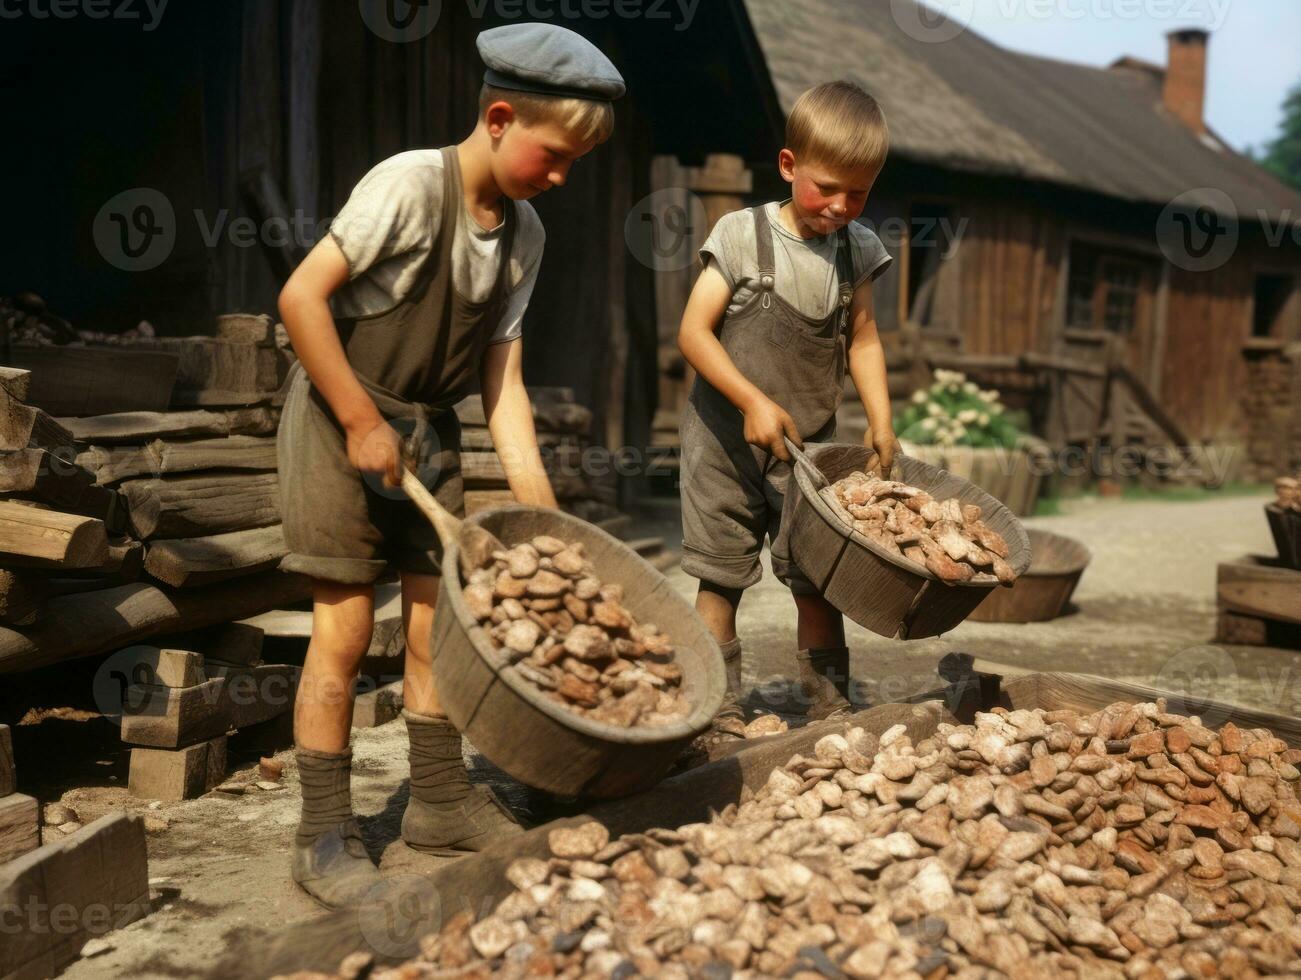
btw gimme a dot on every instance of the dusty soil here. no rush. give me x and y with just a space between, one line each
1144 612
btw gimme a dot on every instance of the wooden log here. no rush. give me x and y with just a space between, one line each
127 427
168 717
1253 587
202 505
108 619
122 563
178 774
161 666
163 457
68 539
211 366
20 826
16 381
8 774
190 562
246 328
22 426
97 380
60 895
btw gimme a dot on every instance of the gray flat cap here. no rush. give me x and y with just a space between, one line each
549 60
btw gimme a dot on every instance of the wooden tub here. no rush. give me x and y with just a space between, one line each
1286 527
533 738
1056 564
883 592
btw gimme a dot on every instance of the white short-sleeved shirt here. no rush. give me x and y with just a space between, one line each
391 223
805 267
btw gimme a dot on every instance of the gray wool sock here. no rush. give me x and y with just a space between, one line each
438 773
326 779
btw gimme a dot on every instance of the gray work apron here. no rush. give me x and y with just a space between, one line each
416 360
733 492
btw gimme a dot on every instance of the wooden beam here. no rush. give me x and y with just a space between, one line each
163 457
16 381
22 426
168 717
8 774
178 774
160 666
1256 589
20 826
190 562
203 504
237 643
108 619
127 427
86 884
97 380
70 540
122 563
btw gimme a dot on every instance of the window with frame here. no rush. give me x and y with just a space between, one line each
1106 290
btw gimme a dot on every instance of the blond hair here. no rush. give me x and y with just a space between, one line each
840 126
588 118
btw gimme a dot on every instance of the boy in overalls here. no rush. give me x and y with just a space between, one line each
783 302
428 268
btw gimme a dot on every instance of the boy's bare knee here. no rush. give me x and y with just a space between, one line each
343 620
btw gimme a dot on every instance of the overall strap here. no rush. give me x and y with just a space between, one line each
763 247
451 207
509 217
844 273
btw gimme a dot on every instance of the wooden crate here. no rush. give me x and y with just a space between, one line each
1258 602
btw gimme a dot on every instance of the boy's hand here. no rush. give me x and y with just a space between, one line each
766 426
886 447
377 450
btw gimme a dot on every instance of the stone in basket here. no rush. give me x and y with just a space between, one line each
883 592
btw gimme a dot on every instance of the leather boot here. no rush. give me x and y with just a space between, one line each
824 682
329 859
729 722
447 815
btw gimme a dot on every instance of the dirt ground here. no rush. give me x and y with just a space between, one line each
1144 612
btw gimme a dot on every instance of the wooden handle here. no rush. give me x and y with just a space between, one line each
447 525
816 475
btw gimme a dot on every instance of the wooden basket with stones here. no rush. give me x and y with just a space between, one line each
560 675
877 585
1107 838
1056 565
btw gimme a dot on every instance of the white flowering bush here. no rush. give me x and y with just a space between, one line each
956 412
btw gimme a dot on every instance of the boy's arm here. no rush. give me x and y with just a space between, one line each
766 422
510 423
867 368
372 444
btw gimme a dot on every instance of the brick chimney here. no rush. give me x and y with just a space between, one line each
1184 92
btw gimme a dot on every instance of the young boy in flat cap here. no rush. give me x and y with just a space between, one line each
417 293
783 302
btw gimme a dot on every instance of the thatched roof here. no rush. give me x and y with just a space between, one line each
968 104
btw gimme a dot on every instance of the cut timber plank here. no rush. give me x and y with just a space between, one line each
1253 587
178 774
202 505
233 643
174 717
189 562
125 427
70 540
8 774
97 380
163 667
161 457
377 707
20 826
84 885
108 619
122 563
16 381
22 426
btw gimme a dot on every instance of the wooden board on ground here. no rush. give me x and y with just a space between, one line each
200 505
161 457
178 774
84 885
1259 587
68 539
127 427
20 826
165 717
190 562
107 619
97 380
8 773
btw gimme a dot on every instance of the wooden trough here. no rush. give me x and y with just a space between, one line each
413 906
533 738
883 592
1056 564
1286 527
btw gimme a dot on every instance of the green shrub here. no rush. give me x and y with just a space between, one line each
956 412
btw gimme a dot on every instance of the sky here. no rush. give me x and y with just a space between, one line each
1254 54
